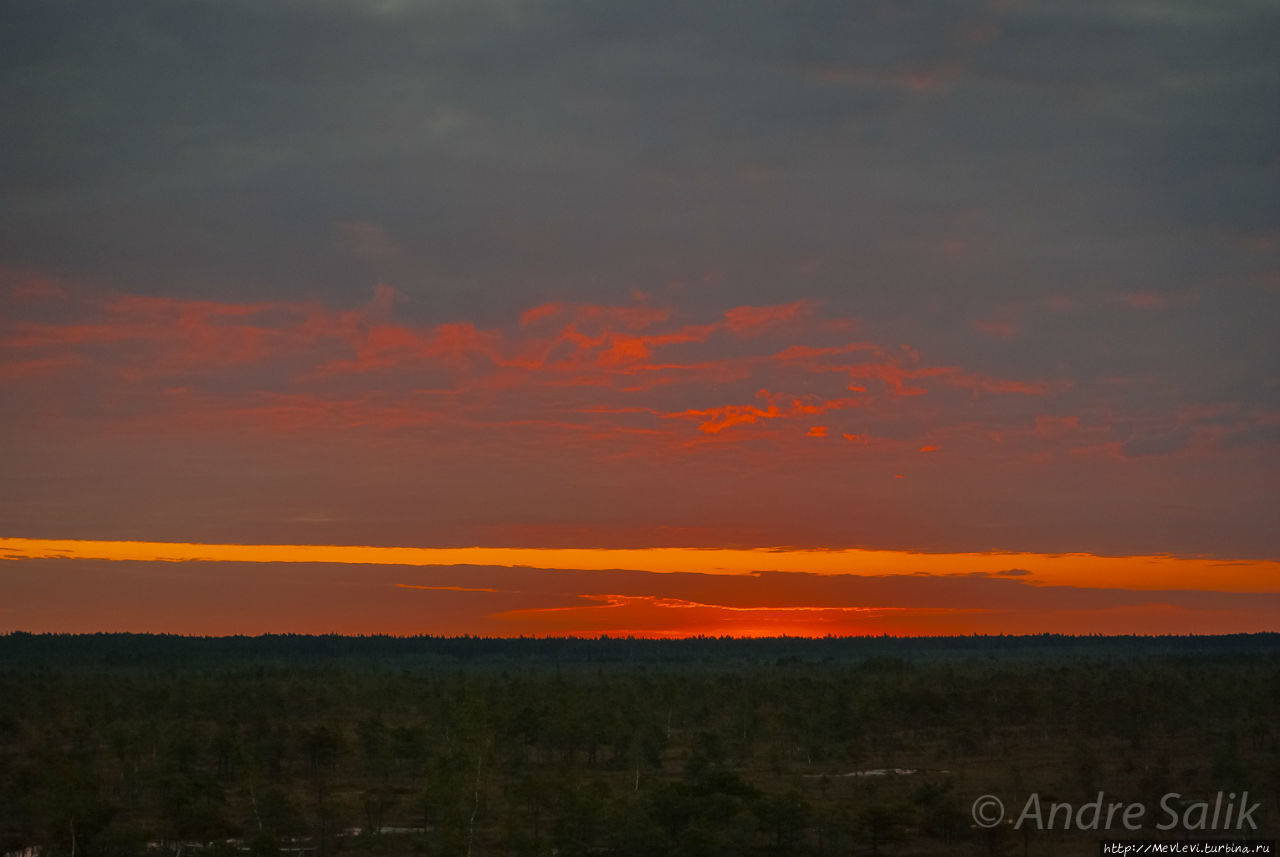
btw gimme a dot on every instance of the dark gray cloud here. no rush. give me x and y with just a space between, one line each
527 148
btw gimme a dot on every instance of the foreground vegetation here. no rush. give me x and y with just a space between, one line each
114 744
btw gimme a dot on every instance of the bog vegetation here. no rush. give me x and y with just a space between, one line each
124 744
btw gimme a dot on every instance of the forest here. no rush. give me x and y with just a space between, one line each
308 746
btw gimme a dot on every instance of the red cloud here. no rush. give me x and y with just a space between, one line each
751 320
538 313
552 358
1053 426
37 367
627 349
720 418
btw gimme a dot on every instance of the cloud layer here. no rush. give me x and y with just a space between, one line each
632 424
974 275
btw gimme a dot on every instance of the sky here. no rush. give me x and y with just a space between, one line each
654 318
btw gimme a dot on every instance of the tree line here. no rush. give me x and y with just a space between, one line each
120 744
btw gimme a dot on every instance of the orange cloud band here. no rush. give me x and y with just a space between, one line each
1075 569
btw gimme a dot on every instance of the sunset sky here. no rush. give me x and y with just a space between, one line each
653 318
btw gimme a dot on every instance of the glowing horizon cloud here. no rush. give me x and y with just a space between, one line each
1156 572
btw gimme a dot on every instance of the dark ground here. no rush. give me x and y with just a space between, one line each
117 744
